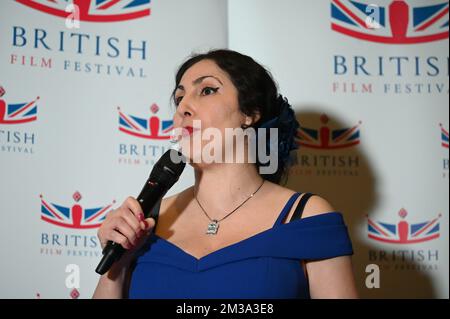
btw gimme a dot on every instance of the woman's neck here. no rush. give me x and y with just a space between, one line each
222 187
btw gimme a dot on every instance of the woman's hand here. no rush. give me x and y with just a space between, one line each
126 226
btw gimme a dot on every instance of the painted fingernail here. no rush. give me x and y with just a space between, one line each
141 216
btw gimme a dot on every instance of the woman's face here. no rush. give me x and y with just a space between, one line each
206 93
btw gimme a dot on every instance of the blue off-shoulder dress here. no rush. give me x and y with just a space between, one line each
264 266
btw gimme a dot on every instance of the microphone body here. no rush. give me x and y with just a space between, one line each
164 174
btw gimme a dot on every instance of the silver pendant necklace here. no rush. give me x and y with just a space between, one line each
213 226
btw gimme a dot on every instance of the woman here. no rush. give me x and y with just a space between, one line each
230 235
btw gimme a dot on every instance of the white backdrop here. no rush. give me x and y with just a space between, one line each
383 163
78 146
399 161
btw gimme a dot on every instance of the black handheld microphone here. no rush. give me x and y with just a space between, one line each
164 174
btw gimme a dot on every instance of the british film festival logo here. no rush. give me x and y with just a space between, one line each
395 23
444 144
327 150
92 10
143 136
15 120
74 51
405 233
68 227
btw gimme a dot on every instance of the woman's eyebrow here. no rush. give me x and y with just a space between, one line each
199 80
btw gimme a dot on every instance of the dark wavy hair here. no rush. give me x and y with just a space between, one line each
257 94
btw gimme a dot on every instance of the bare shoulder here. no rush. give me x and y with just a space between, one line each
276 192
317 205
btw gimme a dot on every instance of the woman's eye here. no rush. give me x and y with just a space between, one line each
205 91
178 100
209 90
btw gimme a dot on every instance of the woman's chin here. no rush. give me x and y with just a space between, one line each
197 161
191 156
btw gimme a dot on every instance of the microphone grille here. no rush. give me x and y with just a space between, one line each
172 161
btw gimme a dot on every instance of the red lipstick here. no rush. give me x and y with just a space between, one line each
188 130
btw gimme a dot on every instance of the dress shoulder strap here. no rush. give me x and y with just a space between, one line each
286 209
301 206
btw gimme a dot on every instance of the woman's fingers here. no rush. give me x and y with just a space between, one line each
133 221
120 239
126 230
126 225
149 223
133 205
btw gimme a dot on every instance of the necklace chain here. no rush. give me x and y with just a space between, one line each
213 227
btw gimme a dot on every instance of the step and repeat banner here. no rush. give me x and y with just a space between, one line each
85 112
369 81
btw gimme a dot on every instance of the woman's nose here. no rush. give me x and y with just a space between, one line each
184 108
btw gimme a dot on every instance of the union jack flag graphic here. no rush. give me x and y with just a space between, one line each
17 113
326 139
444 137
75 216
396 23
93 10
403 232
152 128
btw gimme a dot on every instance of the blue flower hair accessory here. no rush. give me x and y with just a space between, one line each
287 126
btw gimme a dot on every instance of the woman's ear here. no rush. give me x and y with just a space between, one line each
256 117
250 120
